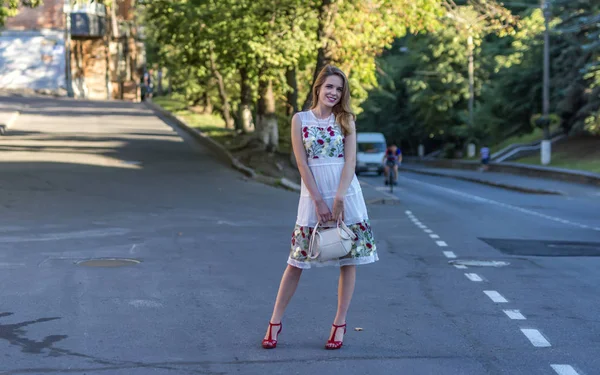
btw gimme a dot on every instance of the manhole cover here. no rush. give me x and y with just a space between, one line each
545 248
479 263
108 262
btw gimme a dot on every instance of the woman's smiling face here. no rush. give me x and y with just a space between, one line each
330 92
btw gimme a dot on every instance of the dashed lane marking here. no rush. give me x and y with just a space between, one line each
536 338
514 314
495 296
473 277
564 370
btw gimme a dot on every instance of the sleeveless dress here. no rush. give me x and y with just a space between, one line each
324 145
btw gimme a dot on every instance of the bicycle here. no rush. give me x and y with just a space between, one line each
391 177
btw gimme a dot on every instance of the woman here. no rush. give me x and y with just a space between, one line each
324 144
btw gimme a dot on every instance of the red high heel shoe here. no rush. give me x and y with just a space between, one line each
269 343
333 345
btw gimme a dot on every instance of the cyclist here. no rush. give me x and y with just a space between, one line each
392 158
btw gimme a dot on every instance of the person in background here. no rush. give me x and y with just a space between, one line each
485 157
148 84
392 159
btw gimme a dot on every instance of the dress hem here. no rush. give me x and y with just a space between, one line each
334 262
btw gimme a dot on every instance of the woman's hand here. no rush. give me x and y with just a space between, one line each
323 212
338 209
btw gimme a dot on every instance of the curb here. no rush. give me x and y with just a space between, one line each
559 174
485 182
221 152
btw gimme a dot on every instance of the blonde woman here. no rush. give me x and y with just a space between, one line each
324 144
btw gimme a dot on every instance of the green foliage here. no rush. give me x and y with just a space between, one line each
578 64
422 89
10 8
265 39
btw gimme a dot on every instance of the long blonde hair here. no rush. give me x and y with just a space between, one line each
342 110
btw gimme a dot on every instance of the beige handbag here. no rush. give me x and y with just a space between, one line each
331 243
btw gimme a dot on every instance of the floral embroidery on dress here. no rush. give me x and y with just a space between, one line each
364 246
320 141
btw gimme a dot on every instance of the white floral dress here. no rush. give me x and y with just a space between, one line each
324 145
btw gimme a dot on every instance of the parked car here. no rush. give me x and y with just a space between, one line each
370 149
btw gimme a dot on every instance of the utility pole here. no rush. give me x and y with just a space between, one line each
470 51
68 77
546 144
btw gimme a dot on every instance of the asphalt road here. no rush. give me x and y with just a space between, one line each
96 180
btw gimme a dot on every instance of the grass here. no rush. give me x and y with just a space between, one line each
211 125
564 160
536 135
214 125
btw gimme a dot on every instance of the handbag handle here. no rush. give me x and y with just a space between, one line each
340 226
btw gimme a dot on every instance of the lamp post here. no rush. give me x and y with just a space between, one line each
68 76
546 146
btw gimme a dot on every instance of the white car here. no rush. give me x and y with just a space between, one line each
370 150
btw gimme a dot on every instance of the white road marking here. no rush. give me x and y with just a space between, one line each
473 277
514 314
11 265
486 200
441 243
65 235
536 338
381 189
564 370
384 190
428 231
145 303
460 266
495 296
449 254
434 236
230 223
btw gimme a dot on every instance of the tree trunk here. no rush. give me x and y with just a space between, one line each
245 112
207 107
327 12
267 131
470 49
222 93
292 96
159 74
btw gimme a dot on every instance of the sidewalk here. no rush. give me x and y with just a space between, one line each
523 184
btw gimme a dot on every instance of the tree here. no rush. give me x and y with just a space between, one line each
10 8
578 75
351 34
474 21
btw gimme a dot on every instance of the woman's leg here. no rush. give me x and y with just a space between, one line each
345 292
287 288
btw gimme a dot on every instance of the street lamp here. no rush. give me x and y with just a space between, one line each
546 146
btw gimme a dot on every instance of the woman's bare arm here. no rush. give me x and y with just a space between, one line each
350 164
302 161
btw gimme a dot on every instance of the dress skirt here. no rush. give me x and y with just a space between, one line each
327 173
